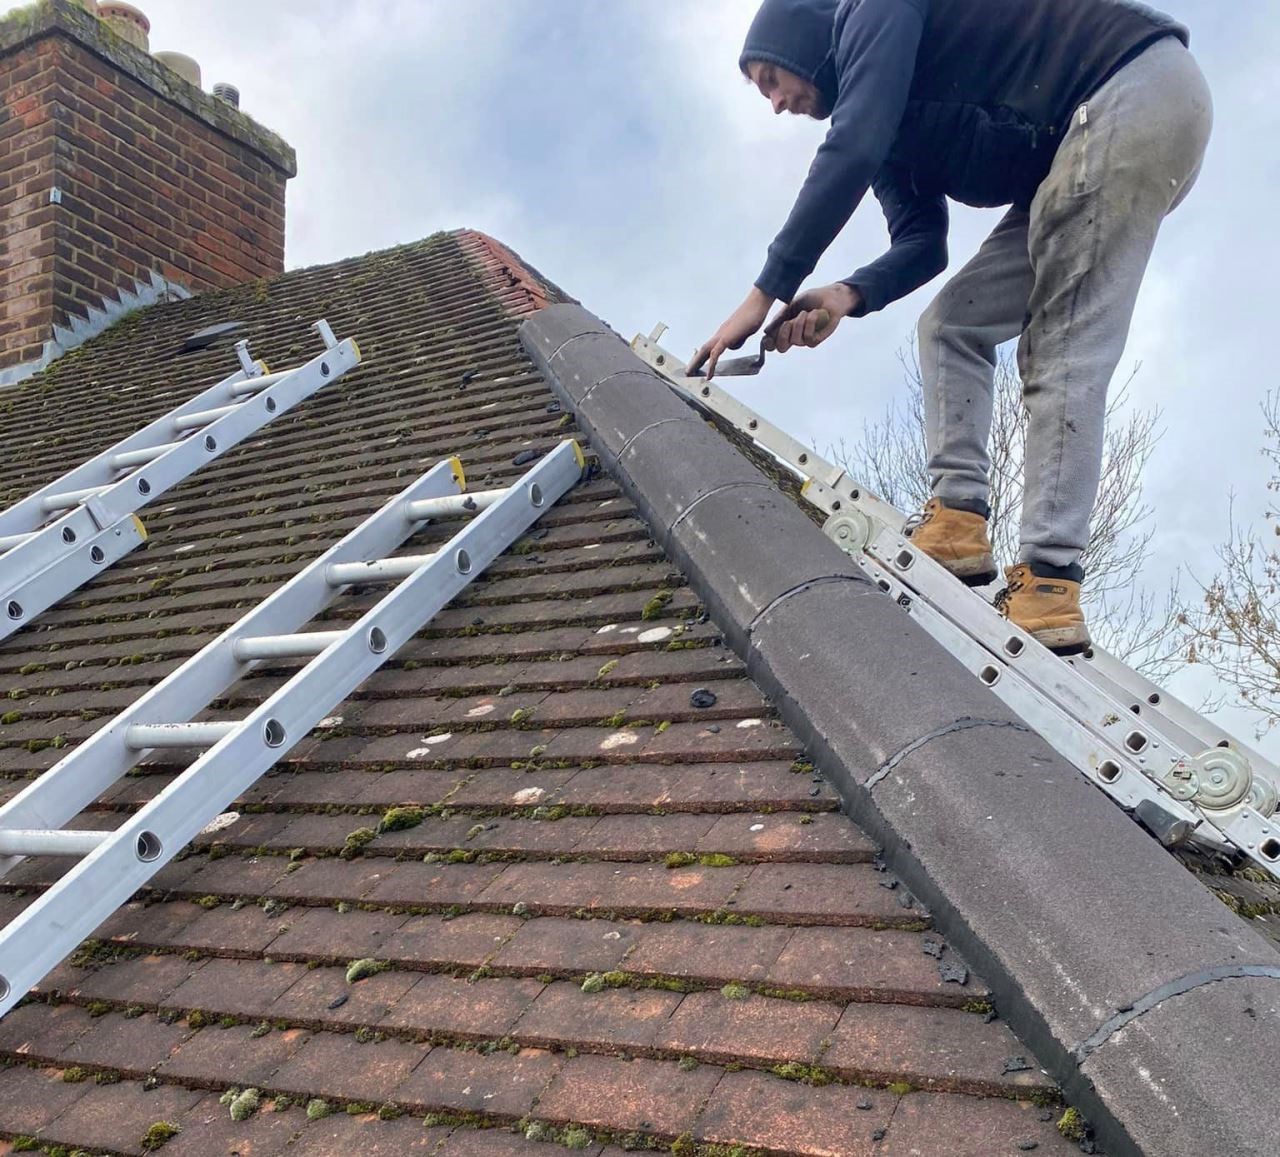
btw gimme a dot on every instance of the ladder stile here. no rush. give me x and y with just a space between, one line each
41 561
1176 771
238 752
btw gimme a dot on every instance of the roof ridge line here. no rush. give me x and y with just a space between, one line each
513 281
1014 853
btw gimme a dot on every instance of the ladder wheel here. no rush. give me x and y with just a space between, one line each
850 531
1223 777
1263 796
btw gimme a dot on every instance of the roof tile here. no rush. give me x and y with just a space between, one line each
607 766
935 1048
133 1045
326 1065
824 893
654 1096
466 941
245 987
755 1028
209 1131
118 1115
786 1116
623 1018
928 1123
479 1010
707 952
364 1134
561 946
323 997
500 1084
217 1056
33 1097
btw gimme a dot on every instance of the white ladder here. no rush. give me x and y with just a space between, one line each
60 537
116 863
1181 775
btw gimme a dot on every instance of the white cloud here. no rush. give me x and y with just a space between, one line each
616 147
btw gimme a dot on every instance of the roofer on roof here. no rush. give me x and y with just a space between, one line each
1090 118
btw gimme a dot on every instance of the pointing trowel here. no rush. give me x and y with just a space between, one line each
747 367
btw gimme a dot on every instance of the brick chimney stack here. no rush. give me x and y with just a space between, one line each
121 184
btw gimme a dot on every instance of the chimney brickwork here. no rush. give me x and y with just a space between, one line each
119 177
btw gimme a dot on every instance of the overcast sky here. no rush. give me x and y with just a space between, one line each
613 144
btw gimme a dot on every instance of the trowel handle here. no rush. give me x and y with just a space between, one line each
824 320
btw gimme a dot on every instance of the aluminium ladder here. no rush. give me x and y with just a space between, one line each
1178 773
93 507
115 864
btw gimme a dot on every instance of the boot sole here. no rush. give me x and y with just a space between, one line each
979 571
1064 641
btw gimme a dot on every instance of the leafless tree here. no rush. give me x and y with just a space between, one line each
1234 629
1124 617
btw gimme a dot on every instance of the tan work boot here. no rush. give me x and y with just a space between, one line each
1048 609
958 540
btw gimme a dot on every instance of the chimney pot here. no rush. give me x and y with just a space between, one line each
185 66
127 22
228 92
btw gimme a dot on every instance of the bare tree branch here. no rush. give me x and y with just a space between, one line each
1234 629
891 458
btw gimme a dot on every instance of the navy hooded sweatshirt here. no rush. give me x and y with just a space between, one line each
930 99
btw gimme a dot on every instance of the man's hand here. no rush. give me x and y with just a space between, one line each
742 323
801 323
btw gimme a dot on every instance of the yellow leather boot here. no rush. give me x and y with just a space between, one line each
1048 609
958 540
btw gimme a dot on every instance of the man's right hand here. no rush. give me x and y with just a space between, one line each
801 323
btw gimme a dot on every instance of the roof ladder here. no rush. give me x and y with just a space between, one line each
60 537
1181 775
114 864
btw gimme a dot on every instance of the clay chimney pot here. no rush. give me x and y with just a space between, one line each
127 22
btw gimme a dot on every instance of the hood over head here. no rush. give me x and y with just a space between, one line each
796 35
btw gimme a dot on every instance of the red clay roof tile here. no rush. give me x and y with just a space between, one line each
583 823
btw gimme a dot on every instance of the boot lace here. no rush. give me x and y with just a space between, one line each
916 521
1003 597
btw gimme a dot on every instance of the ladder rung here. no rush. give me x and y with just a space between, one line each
69 498
53 842
285 646
257 385
9 541
141 457
451 504
345 573
203 417
142 736
46 930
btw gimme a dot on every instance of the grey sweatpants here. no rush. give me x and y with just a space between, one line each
1065 276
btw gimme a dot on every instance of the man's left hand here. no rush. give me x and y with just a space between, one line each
800 323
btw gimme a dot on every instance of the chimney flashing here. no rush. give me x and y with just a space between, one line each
65 18
66 338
